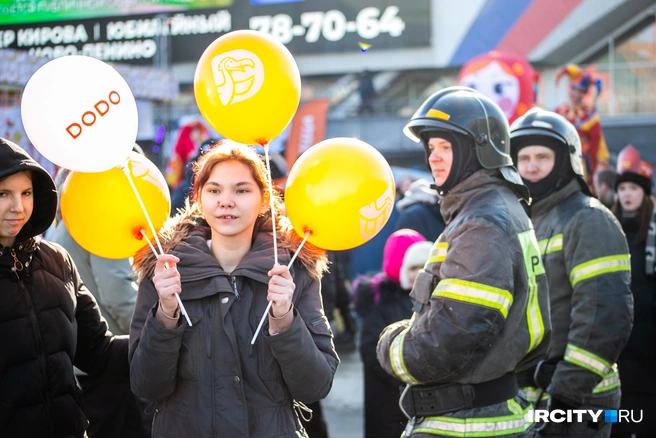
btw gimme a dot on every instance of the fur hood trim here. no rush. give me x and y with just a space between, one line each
177 228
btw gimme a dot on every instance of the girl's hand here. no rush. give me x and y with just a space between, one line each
281 290
167 283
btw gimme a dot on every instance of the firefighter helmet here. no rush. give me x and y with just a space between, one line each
468 112
540 122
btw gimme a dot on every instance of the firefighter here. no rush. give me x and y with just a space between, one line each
586 257
480 303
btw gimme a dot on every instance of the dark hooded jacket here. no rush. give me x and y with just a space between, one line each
207 379
49 322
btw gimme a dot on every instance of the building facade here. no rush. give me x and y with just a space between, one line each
405 49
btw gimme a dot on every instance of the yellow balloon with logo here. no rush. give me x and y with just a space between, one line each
341 190
247 86
102 211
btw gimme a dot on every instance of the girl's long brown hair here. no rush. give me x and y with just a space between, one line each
646 211
226 150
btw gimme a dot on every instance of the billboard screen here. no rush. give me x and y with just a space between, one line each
157 29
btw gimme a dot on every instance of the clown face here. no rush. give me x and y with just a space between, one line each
494 82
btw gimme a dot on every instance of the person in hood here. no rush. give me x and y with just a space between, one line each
480 304
586 258
49 321
208 379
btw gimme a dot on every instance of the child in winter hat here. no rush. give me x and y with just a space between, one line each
414 259
395 247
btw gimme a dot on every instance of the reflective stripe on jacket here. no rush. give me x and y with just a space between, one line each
588 268
483 295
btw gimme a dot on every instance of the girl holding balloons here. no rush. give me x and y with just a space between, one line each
209 379
49 321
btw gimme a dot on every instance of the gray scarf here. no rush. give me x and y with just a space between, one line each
650 249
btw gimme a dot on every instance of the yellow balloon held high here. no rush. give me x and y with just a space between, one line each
247 86
102 212
342 191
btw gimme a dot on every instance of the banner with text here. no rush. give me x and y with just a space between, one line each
308 128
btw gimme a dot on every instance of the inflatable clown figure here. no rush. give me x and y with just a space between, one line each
585 117
505 78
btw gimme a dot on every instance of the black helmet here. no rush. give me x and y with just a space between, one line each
542 123
467 112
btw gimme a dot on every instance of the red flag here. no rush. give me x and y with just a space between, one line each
308 128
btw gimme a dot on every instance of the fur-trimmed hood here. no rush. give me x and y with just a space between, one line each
189 223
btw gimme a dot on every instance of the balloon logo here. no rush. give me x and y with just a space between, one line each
103 214
238 75
247 86
342 190
79 113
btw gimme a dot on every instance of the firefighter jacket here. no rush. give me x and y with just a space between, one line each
588 268
481 301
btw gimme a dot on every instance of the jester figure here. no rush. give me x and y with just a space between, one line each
585 117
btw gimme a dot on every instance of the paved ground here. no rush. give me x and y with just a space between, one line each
343 408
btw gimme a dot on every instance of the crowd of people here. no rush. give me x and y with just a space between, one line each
521 277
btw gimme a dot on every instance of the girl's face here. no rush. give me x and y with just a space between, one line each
16 205
231 201
630 196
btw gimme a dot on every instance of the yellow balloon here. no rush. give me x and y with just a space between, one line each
247 86
342 191
102 212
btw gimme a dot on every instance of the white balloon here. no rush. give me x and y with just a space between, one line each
80 114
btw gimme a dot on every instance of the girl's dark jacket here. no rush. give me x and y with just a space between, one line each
207 379
48 322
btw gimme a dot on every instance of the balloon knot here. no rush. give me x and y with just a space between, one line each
136 232
307 230
262 142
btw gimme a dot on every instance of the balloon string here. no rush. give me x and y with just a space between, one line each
143 208
266 312
271 203
143 233
166 265
152 229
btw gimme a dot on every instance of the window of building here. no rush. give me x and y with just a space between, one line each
627 68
